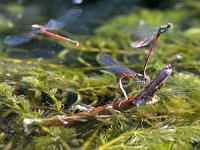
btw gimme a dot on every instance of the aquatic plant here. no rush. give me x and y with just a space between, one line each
37 88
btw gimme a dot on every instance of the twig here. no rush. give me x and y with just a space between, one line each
142 97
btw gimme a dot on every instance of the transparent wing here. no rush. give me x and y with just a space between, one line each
19 39
144 35
53 25
70 15
142 42
113 65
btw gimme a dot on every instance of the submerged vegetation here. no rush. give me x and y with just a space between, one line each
68 76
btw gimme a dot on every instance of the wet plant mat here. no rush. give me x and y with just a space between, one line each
68 80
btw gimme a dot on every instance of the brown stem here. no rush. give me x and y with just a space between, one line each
104 111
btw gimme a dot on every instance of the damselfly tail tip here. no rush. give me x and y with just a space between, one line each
73 42
76 43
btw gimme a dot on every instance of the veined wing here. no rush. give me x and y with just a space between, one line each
19 39
70 15
145 36
113 65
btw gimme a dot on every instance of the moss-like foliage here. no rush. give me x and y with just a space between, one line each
41 88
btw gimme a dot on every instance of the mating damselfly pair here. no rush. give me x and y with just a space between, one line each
116 67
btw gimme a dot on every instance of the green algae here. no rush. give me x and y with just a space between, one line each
43 88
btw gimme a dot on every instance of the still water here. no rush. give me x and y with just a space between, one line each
51 69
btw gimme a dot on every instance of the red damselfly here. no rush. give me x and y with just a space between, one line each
52 24
151 35
116 67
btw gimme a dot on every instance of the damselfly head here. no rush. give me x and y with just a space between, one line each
165 28
147 79
35 26
142 78
168 66
170 25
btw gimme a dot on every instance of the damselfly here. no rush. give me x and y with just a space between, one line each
116 67
52 24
